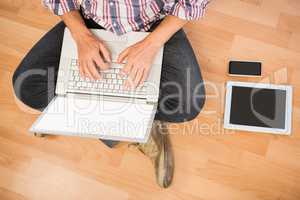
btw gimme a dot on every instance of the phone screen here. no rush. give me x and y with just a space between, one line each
245 68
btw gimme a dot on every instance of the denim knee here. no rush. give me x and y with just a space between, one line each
32 88
186 109
193 107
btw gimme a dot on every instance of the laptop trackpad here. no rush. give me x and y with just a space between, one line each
99 118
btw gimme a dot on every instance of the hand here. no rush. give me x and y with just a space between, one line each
92 54
139 58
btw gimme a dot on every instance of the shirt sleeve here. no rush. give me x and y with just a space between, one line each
187 9
60 7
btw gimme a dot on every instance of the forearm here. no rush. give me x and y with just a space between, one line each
165 30
75 23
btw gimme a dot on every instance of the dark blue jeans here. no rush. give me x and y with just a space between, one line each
182 93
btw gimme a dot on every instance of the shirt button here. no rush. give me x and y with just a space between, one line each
115 24
111 3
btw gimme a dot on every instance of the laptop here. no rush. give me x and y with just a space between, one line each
101 108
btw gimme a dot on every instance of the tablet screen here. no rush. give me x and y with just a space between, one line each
258 107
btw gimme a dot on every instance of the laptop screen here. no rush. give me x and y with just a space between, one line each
258 107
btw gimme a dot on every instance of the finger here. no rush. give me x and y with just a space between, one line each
99 62
85 70
123 55
131 77
127 68
128 84
144 77
88 74
81 71
105 52
138 77
92 68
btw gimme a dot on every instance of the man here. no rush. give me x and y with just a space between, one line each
181 91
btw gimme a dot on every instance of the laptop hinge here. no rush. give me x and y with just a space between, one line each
109 98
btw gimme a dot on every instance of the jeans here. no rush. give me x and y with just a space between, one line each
182 93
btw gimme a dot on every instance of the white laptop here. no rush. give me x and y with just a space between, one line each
103 108
258 107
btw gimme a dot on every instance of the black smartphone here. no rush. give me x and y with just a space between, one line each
243 68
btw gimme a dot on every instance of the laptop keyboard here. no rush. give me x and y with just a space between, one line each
111 83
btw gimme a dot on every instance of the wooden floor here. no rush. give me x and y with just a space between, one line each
211 163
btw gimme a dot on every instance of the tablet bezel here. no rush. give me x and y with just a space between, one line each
288 113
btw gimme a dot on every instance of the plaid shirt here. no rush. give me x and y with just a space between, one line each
121 16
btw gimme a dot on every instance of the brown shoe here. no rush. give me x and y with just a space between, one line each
159 150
